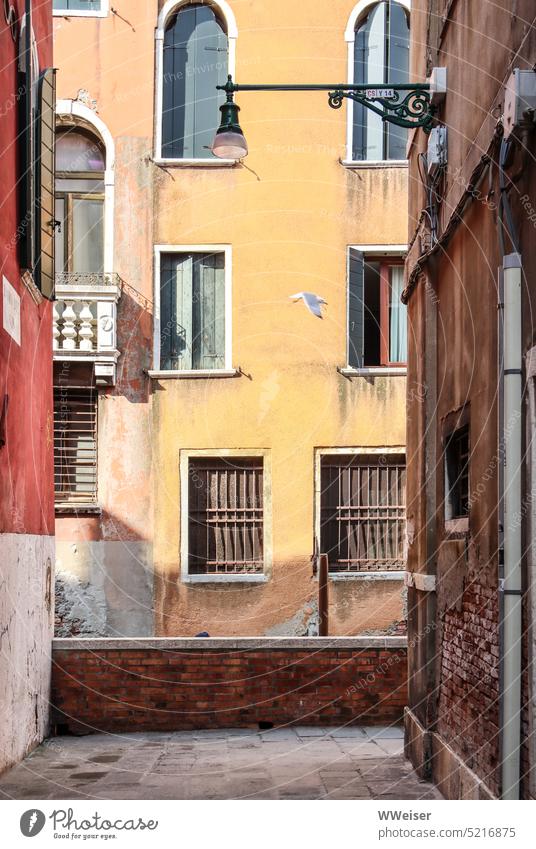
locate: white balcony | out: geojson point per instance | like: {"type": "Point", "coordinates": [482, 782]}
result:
{"type": "Point", "coordinates": [85, 320]}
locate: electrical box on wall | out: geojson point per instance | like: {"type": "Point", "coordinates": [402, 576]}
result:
{"type": "Point", "coordinates": [437, 150]}
{"type": "Point", "coordinates": [519, 97]}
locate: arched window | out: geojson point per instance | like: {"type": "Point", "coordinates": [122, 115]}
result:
{"type": "Point", "coordinates": [80, 167]}
{"type": "Point", "coordinates": [195, 61]}
{"type": "Point", "coordinates": [381, 55]}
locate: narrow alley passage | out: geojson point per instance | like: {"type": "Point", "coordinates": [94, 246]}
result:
{"type": "Point", "coordinates": [286, 763]}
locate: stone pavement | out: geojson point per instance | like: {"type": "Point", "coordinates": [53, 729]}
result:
{"type": "Point", "coordinates": [286, 763]}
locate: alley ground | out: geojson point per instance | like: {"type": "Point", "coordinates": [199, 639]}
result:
{"type": "Point", "coordinates": [287, 763]}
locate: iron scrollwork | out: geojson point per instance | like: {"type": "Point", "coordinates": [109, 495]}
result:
{"type": "Point", "coordinates": [406, 108]}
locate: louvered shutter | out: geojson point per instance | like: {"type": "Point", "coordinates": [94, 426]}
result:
{"type": "Point", "coordinates": [209, 342]}
{"type": "Point", "coordinates": [356, 311]}
{"type": "Point", "coordinates": [44, 169]}
{"type": "Point", "coordinates": [184, 307]}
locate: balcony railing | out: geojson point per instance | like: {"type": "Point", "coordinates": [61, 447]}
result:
{"type": "Point", "coordinates": [85, 316]}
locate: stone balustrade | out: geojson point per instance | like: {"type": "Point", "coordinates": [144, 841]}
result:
{"type": "Point", "coordinates": [85, 319]}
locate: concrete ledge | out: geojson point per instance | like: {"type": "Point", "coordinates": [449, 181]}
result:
{"type": "Point", "coordinates": [434, 760]}
{"type": "Point", "coordinates": [226, 643]}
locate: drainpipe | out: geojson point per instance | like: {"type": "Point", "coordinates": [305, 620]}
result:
{"type": "Point", "coordinates": [510, 587]}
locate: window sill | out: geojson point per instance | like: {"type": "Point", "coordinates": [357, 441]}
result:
{"type": "Point", "coordinates": [78, 13]}
{"type": "Point", "coordinates": [258, 578]}
{"type": "Point", "coordinates": [373, 371]}
{"type": "Point", "coordinates": [195, 163]}
{"type": "Point", "coordinates": [358, 164]}
{"type": "Point", "coordinates": [186, 374]}
{"type": "Point", "coordinates": [380, 575]}
{"type": "Point", "coordinates": [77, 509]}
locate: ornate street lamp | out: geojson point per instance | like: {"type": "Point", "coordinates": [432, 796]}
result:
{"type": "Point", "coordinates": [405, 104]}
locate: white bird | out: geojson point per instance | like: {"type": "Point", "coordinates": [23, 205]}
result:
{"type": "Point", "coordinates": [312, 302]}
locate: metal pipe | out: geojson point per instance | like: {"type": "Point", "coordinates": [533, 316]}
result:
{"type": "Point", "coordinates": [323, 596]}
{"type": "Point", "coordinates": [510, 581]}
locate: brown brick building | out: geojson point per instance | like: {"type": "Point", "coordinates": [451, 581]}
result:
{"type": "Point", "coordinates": [470, 291]}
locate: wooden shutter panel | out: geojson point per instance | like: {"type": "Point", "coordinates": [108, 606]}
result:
{"type": "Point", "coordinates": [26, 192]}
{"type": "Point", "coordinates": [209, 344]}
{"type": "Point", "coordinates": [184, 288]}
{"type": "Point", "coordinates": [44, 169]}
{"type": "Point", "coordinates": [356, 308]}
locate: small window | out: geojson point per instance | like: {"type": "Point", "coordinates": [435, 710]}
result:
{"type": "Point", "coordinates": [79, 211]}
{"type": "Point", "coordinates": [192, 311]}
{"type": "Point", "coordinates": [362, 512]}
{"type": "Point", "coordinates": [377, 318]}
{"type": "Point", "coordinates": [78, 5]}
{"type": "Point", "coordinates": [75, 444]}
{"type": "Point", "coordinates": [381, 56]}
{"type": "Point", "coordinates": [195, 62]}
{"type": "Point", "coordinates": [457, 474]}
{"type": "Point", "coordinates": [225, 516]}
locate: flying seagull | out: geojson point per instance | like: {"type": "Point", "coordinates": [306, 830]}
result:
{"type": "Point", "coordinates": [312, 302]}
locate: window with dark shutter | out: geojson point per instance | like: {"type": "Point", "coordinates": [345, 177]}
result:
{"type": "Point", "coordinates": [44, 170]}
{"type": "Point", "coordinates": [363, 508]}
{"type": "Point", "coordinates": [381, 55]}
{"type": "Point", "coordinates": [457, 474]}
{"type": "Point", "coordinates": [195, 62]}
{"type": "Point", "coordinates": [377, 318]}
{"type": "Point", "coordinates": [192, 311]}
{"type": "Point", "coordinates": [75, 444]}
{"type": "Point", "coordinates": [225, 516]}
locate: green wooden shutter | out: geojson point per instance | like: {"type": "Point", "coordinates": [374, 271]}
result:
{"type": "Point", "coordinates": [26, 148]}
{"type": "Point", "coordinates": [184, 308]}
{"type": "Point", "coordinates": [44, 169]}
{"type": "Point", "coordinates": [209, 319]}
{"type": "Point", "coordinates": [356, 311]}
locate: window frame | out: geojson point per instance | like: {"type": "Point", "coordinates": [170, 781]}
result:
{"type": "Point", "coordinates": [169, 8]}
{"type": "Point", "coordinates": [320, 453]}
{"type": "Point", "coordinates": [80, 13]}
{"type": "Point", "coordinates": [68, 196]}
{"type": "Point", "coordinates": [227, 370]}
{"type": "Point", "coordinates": [185, 456]}
{"type": "Point", "coordinates": [357, 13]}
{"type": "Point", "coordinates": [92, 394]}
{"type": "Point", "coordinates": [386, 255]}
{"type": "Point", "coordinates": [71, 114]}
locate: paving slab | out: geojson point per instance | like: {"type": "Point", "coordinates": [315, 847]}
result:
{"type": "Point", "coordinates": [303, 762]}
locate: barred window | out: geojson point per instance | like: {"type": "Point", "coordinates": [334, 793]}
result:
{"type": "Point", "coordinates": [226, 516]}
{"type": "Point", "coordinates": [75, 444]}
{"type": "Point", "coordinates": [363, 510]}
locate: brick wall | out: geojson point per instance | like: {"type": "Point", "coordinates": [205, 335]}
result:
{"type": "Point", "coordinates": [172, 684]}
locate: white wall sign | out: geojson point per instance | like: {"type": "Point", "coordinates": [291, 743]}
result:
{"type": "Point", "coordinates": [11, 316]}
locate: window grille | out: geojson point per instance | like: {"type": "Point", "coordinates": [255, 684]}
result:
{"type": "Point", "coordinates": [226, 521]}
{"type": "Point", "coordinates": [75, 444]}
{"type": "Point", "coordinates": [363, 511]}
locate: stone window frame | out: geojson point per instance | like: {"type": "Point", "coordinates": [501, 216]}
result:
{"type": "Point", "coordinates": [354, 450]}
{"type": "Point", "coordinates": [187, 454]}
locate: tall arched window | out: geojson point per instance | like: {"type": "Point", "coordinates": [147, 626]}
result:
{"type": "Point", "coordinates": [80, 167]}
{"type": "Point", "coordinates": [381, 55]}
{"type": "Point", "coordinates": [195, 61]}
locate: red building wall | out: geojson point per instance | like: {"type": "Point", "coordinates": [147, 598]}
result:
{"type": "Point", "coordinates": [26, 438]}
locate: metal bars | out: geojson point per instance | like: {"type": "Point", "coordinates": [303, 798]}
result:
{"type": "Point", "coordinates": [363, 512]}
{"type": "Point", "coordinates": [226, 516]}
{"type": "Point", "coordinates": [75, 444]}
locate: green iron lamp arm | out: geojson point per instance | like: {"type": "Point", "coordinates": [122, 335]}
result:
{"type": "Point", "coordinates": [405, 104]}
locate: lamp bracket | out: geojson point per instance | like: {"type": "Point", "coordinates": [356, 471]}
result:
{"type": "Point", "coordinates": [406, 105]}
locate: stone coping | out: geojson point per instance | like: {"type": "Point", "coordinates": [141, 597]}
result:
{"type": "Point", "coordinates": [230, 643]}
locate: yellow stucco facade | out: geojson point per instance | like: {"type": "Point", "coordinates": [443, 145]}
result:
{"type": "Point", "coordinates": [289, 213]}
